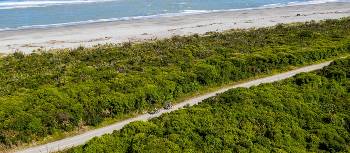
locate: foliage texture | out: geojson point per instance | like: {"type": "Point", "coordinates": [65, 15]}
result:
{"type": "Point", "coordinates": [307, 113]}
{"type": "Point", "coordinates": [46, 93]}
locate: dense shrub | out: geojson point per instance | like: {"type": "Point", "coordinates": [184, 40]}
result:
{"type": "Point", "coordinates": [52, 92]}
{"type": "Point", "coordinates": [307, 113]}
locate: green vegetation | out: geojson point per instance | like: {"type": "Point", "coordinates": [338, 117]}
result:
{"type": "Point", "coordinates": [46, 93]}
{"type": "Point", "coordinates": [307, 113]}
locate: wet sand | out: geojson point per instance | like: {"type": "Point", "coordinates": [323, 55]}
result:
{"type": "Point", "coordinates": [144, 29]}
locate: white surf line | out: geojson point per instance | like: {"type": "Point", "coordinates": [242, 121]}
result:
{"type": "Point", "coordinates": [83, 138]}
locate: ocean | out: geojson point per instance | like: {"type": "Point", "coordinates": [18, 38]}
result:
{"type": "Point", "coordinates": [23, 14]}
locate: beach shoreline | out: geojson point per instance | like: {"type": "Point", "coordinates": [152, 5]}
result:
{"type": "Point", "coordinates": [135, 30]}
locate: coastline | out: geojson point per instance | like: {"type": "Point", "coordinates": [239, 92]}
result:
{"type": "Point", "coordinates": [135, 30]}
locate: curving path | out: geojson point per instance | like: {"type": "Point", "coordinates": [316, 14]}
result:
{"type": "Point", "coordinates": [83, 138]}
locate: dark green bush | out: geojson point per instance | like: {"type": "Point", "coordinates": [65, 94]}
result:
{"type": "Point", "coordinates": [52, 92]}
{"type": "Point", "coordinates": [307, 113]}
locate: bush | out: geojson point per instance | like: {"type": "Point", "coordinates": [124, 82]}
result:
{"type": "Point", "coordinates": [293, 115]}
{"type": "Point", "coordinates": [66, 89]}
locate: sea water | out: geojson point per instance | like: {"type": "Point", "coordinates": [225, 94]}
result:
{"type": "Point", "coordinates": [22, 14]}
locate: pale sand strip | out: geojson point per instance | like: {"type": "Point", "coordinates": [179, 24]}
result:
{"type": "Point", "coordinates": [138, 30]}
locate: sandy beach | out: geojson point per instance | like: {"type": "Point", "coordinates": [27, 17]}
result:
{"type": "Point", "coordinates": [163, 27]}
